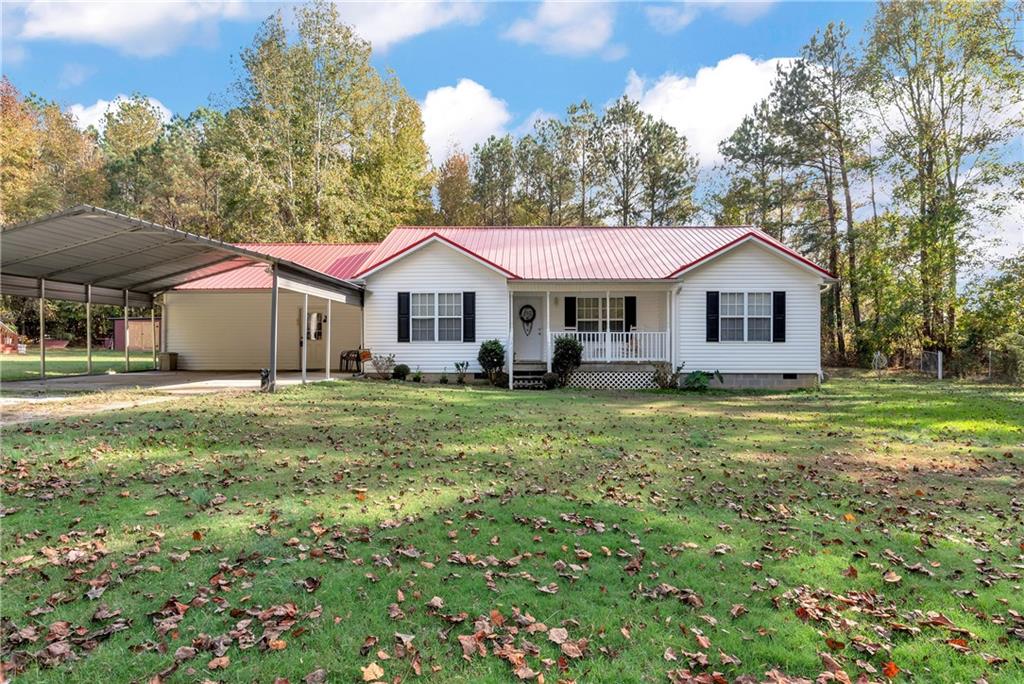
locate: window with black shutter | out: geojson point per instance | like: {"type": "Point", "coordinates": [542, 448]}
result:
{"type": "Point", "coordinates": [630, 308]}
{"type": "Point", "coordinates": [570, 313]}
{"type": "Point", "coordinates": [711, 313]}
{"type": "Point", "coordinates": [403, 316]}
{"type": "Point", "coordinates": [469, 316]}
{"type": "Point", "coordinates": [778, 316]}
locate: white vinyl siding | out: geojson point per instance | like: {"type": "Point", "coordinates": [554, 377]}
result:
{"type": "Point", "coordinates": [438, 269]}
{"type": "Point", "coordinates": [229, 330]}
{"type": "Point", "coordinates": [748, 269]}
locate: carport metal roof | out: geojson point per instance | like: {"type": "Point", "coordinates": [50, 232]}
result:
{"type": "Point", "coordinates": [86, 246]}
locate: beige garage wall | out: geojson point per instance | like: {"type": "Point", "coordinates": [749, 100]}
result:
{"type": "Point", "coordinates": [230, 330]}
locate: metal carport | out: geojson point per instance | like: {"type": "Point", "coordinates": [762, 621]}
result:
{"type": "Point", "coordinates": [92, 255]}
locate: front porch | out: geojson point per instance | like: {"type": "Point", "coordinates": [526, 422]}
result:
{"type": "Point", "coordinates": [622, 330]}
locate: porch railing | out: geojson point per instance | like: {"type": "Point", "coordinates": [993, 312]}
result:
{"type": "Point", "coordinates": [617, 346]}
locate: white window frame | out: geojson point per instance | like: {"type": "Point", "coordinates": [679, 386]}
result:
{"type": "Point", "coordinates": [436, 317]}
{"type": "Point", "coordinates": [603, 318]}
{"type": "Point", "coordinates": [746, 316]}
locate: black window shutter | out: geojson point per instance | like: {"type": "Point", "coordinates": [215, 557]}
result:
{"type": "Point", "coordinates": [778, 316]}
{"type": "Point", "coordinates": [630, 313]}
{"type": "Point", "coordinates": [712, 317]}
{"type": "Point", "coordinates": [570, 312]}
{"type": "Point", "coordinates": [469, 316]}
{"type": "Point", "coordinates": [403, 316]}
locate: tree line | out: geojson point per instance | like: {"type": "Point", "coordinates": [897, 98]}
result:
{"type": "Point", "coordinates": [882, 160]}
{"type": "Point", "coordinates": [619, 166]}
{"type": "Point", "coordinates": [886, 160]}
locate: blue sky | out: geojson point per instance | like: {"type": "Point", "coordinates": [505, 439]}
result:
{"type": "Point", "coordinates": [484, 67]}
{"type": "Point", "coordinates": [477, 68]}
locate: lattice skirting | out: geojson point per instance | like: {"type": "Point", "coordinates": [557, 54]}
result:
{"type": "Point", "coordinates": [613, 380]}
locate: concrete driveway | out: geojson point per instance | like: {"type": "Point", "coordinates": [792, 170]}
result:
{"type": "Point", "coordinates": [28, 401]}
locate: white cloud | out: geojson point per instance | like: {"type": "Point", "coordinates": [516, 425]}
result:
{"type": "Point", "coordinates": [569, 28]}
{"type": "Point", "coordinates": [92, 115]}
{"type": "Point", "coordinates": [707, 107]}
{"type": "Point", "coordinates": [673, 18]}
{"type": "Point", "coordinates": [141, 29]}
{"type": "Point", "coordinates": [527, 124]}
{"type": "Point", "coordinates": [387, 23]}
{"type": "Point", "coordinates": [74, 75]}
{"type": "Point", "coordinates": [463, 114]}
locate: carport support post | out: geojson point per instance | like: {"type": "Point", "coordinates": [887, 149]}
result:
{"type": "Point", "coordinates": [88, 329]}
{"type": "Point", "coordinates": [152, 330]}
{"type": "Point", "coordinates": [327, 346]}
{"type": "Point", "coordinates": [304, 333]}
{"type": "Point", "coordinates": [272, 385]}
{"type": "Point", "coordinates": [127, 354]}
{"type": "Point", "coordinates": [42, 329]}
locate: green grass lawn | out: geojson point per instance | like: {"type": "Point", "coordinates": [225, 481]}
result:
{"type": "Point", "coordinates": [588, 537]}
{"type": "Point", "coordinates": [68, 362]}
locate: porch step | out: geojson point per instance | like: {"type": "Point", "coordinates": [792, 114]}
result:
{"type": "Point", "coordinates": [528, 382]}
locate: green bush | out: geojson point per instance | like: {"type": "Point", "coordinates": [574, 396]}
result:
{"type": "Point", "coordinates": [567, 357]}
{"type": "Point", "coordinates": [551, 380]}
{"type": "Point", "coordinates": [699, 381]}
{"type": "Point", "coordinates": [1008, 360]}
{"type": "Point", "coordinates": [400, 372]}
{"type": "Point", "coordinates": [492, 359]}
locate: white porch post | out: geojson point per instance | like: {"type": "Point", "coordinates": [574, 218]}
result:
{"type": "Point", "coordinates": [668, 326]}
{"type": "Point", "coordinates": [272, 384]}
{"type": "Point", "coordinates": [304, 333]}
{"type": "Point", "coordinates": [88, 329]}
{"type": "Point", "coordinates": [608, 326]}
{"type": "Point", "coordinates": [42, 329]}
{"type": "Point", "coordinates": [511, 340]}
{"type": "Point", "coordinates": [127, 341]}
{"type": "Point", "coordinates": [674, 313]}
{"type": "Point", "coordinates": [548, 346]}
{"type": "Point", "coordinates": [327, 346]}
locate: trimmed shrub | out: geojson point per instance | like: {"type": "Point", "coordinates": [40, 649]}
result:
{"type": "Point", "coordinates": [492, 359]}
{"type": "Point", "coordinates": [699, 381]}
{"type": "Point", "coordinates": [551, 380]}
{"type": "Point", "coordinates": [567, 357]}
{"type": "Point", "coordinates": [400, 372]}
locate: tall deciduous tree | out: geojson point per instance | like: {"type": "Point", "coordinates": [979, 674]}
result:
{"type": "Point", "coordinates": [320, 146]}
{"type": "Point", "coordinates": [947, 82]}
{"type": "Point", "coordinates": [455, 191]}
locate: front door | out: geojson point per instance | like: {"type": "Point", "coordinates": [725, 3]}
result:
{"type": "Point", "coordinates": [528, 327]}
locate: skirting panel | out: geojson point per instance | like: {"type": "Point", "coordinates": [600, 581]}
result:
{"type": "Point", "coordinates": [614, 380]}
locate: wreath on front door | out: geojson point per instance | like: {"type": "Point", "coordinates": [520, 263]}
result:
{"type": "Point", "coordinates": [527, 314]}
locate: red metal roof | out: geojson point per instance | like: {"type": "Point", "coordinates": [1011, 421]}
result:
{"type": "Point", "coordinates": [339, 261]}
{"type": "Point", "coordinates": [571, 253]}
{"type": "Point", "coordinates": [581, 253]}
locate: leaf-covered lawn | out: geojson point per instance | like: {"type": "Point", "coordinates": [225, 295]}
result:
{"type": "Point", "coordinates": [363, 531]}
{"type": "Point", "coordinates": [73, 361]}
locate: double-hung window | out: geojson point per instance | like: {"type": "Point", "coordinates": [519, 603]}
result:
{"type": "Point", "coordinates": [759, 317]}
{"type": "Point", "coordinates": [436, 316]}
{"type": "Point", "coordinates": [449, 317]}
{"type": "Point", "coordinates": [423, 314]}
{"type": "Point", "coordinates": [596, 314]}
{"type": "Point", "coordinates": [745, 317]}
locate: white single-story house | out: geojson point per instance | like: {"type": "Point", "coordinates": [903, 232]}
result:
{"type": "Point", "coordinates": [730, 299]}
